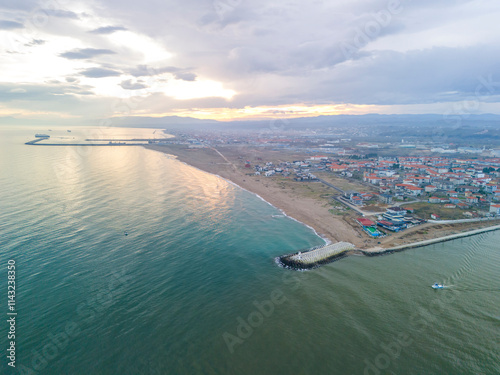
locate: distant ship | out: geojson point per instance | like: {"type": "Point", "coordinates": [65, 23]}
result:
{"type": "Point", "coordinates": [69, 131]}
{"type": "Point", "coordinates": [42, 136]}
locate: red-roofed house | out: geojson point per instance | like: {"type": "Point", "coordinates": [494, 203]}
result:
{"type": "Point", "coordinates": [365, 222]}
{"type": "Point", "coordinates": [337, 168]}
{"type": "Point", "coordinates": [413, 190]}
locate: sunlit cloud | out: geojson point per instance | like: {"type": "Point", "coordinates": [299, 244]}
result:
{"type": "Point", "coordinates": [254, 60]}
{"type": "Point", "coordinates": [269, 112]}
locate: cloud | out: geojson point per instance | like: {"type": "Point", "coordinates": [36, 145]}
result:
{"type": "Point", "coordinates": [10, 25]}
{"type": "Point", "coordinates": [49, 93]}
{"type": "Point", "coordinates": [148, 71]}
{"type": "Point", "coordinates": [107, 30]}
{"type": "Point", "coordinates": [269, 53]}
{"type": "Point", "coordinates": [145, 70]}
{"type": "Point", "coordinates": [99, 73]}
{"type": "Point", "coordinates": [129, 85]}
{"type": "Point", "coordinates": [61, 13]}
{"type": "Point", "coordinates": [35, 42]}
{"type": "Point", "coordinates": [185, 76]}
{"type": "Point", "coordinates": [86, 53]}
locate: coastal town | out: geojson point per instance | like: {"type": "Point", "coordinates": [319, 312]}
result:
{"type": "Point", "coordinates": [373, 194]}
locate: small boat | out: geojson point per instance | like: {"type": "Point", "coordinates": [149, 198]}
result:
{"type": "Point", "coordinates": [125, 233]}
{"type": "Point", "coordinates": [437, 286]}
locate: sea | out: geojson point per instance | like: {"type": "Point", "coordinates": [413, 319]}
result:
{"type": "Point", "coordinates": [128, 261]}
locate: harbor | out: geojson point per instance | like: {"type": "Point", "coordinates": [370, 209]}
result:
{"type": "Point", "coordinates": [321, 255]}
{"type": "Point", "coordinates": [38, 142]}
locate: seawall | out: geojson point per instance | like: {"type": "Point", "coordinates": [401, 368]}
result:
{"type": "Point", "coordinates": [375, 252]}
{"type": "Point", "coordinates": [316, 256]}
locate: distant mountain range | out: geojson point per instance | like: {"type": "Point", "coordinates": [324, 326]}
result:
{"type": "Point", "coordinates": [442, 121]}
{"type": "Point", "coordinates": [175, 122]}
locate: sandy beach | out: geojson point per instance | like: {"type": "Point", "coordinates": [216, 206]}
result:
{"type": "Point", "coordinates": [308, 210]}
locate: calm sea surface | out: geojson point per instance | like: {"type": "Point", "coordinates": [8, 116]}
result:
{"type": "Point", "coordinates": [193, 287]}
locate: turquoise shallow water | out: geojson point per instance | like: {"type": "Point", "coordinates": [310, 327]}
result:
{"type": "Point", "coordinates": [193, 288]}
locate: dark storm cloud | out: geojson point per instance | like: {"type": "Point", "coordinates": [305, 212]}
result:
{"type": "Point", "coordinates": [85, 53]}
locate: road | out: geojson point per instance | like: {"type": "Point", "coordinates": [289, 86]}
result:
{"type": "Point", "coordinates": [331, 185]}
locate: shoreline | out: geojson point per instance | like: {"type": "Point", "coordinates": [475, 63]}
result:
{"type": "Point", "coordinates": [314, 215]}
{"type": "Point", "coordinates": [304, 211]}
{"type": "Point", "coordinates": [325, 239]}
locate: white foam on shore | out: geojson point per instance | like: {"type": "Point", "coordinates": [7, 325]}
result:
{"type": "Point", "coordinates": [327, 241]}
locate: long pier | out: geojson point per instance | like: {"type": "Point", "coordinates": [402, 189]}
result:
{"type": "Point", "coordinates": [126, 140]}
{"type": "Point", "coordinates": [35, 142]}
{"type": "Point", "coordinates": [316, 256]}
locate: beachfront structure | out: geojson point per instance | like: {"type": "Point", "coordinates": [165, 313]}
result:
{"type": "Point", "coordinates": [393, 227]}
{"type": "Point", "coordinates": [395, 214]}
{"type": "Point", "coordinates": [369, 227]}
{"type": "Point", "coordinates": [365, 222]}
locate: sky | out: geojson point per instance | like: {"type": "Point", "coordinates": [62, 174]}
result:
{"type": "Point", "coordinates": [239, 59]}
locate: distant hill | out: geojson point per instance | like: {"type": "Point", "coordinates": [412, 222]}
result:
{"type": "Point", "coordinates": [392, 121]}
{"type": "Point", "coordinates": [386, 123]}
